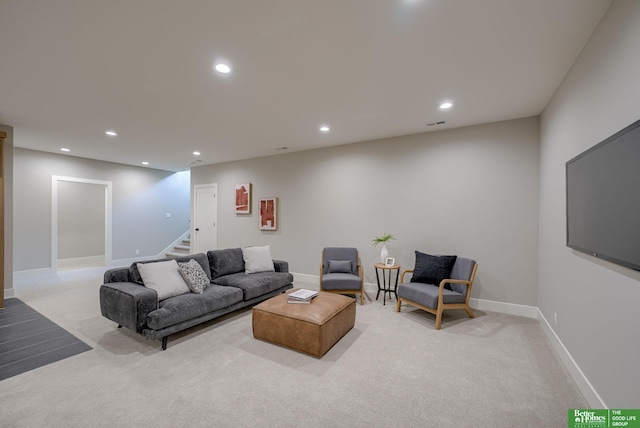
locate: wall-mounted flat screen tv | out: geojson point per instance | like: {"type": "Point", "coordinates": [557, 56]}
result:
{"type": "Point", "coordinates": [603, 199]}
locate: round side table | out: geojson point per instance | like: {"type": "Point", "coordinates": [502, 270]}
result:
{"type": "Point", "coordinates": [386, 284]}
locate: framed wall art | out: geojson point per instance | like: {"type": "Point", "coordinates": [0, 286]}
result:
{"type": "Point", "coordinates": [243, 198]}
{"type": "Point", "coordinates": [268, 214]}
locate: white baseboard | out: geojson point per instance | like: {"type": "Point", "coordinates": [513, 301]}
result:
{"type": "Point", "coordinates": [504, 308]}
{"type": "Point", "coordinates": [306, 278]}
{"type": "Point", "coordinates": [82, 262]}
{"type": "Point", "coordinates": [18, 274]}
{"type": "Point", "coordinates": [9, 293]}
{"type": "Point", "coordinates": [128, 262]}
{"type": "Point", "coordinates": [585, 387]}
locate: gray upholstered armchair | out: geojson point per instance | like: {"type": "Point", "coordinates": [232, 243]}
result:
{"type": "Point", "coordinates": [438, 283]}
{"type": "Point", "coordinates": [341, 271]}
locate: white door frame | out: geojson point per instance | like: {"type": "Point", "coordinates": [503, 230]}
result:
{"type": "Point", "coordinates": [194, 219]}
{"type": "Point", "coordinates": [55, 179]}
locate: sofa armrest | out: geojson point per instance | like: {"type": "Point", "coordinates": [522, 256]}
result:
{"type": "Point", "coordinates": [281, 266]}
{"type": "Point", "coordinates": [116, 275]}
{"type": "Point", "coordinates": [127, 304]}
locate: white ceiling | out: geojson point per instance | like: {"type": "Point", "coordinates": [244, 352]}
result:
{"type": "Point", "coordinates": [72, 69]}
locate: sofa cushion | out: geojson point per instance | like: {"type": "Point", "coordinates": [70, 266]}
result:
{"type": "Point", "coordinates": [432, 269]}
{"type": "Point", "coordinates": [340, 266]}
{"type": "Point", "coordinates": [257, 259]}
{"type": "Point", "coordinates": [427, 294]}
{"type": "Point", "coordinates": [188, 306]}
{"type": "Point", "coordinates": [256, 284]}
{"type": "Point", "coordinates": [225, 262]}
{"type": "Point", "coordinates": [164, 278]}
{"type": "Point", "coordinates": [341, 281]}
{"type": "Point", "coordinates": [196, 279]}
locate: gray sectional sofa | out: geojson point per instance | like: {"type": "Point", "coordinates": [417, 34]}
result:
{"type": "Point", "coordinates": [125, 299]}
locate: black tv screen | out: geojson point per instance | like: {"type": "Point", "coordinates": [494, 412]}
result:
{"type": "Point", "coordinates": [603, 199]}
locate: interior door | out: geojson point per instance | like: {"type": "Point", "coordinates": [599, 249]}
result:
{"type": "Point", "coordinates": [205, 224]}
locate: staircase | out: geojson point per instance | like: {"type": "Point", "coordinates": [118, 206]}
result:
{"type": "Point", "coordinates": [182, 249]}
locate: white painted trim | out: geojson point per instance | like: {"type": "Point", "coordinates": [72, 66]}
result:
{"type": "Point", "coordinates": [128, 262]}
{"type": "Point", "coordinates": [9, 293]}
{"type": "Point", "coordinates": [81, 262]}
{"type": "Point", "coordinates": [578, 376]}
{"type": "Point", "coordinates": [504, 308]}
{"type": "Point", "coordinates": [306, 278]}
{"type": "Point", "coordinates": [28, 272]}
{"type": "Point", "coordinates": [54, 215]}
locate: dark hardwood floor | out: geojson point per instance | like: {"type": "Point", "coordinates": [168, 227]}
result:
{"type": "Point", "coordinates": [29, 340]}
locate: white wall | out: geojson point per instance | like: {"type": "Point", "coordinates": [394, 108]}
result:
{"type": "Point", "coordinates": [596, 301]}
{"type": "Point", "coordinates": [141, 199]}
{"type": "Point", "coordinates": [470, 191]}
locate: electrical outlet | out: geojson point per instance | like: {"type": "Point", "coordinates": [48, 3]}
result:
{"type": "Point", "coordinates": [137, 252]}
{"type": "Point", "coordinates": [555, 318]}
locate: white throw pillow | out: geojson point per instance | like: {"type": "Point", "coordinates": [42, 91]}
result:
{"type": "Point", "coordinates": [164, 277]}
{"type": "Point", "coordinates": [257, 259]}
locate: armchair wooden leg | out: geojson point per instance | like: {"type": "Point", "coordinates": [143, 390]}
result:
{"type": "Point", "coordinates": [469, 312]}
{"type": "Point", "coordinates": [398, 305]}
{"type": "Point", "coordinates": [438, 318]}
{"type": "Point", "coordinates": [362, 297]}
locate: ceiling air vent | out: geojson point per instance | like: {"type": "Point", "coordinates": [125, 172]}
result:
{"type": "Point", "coordinates": [436, 123]}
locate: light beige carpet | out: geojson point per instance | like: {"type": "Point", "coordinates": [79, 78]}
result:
{"type": "Point", "coordinates": [391, 370]}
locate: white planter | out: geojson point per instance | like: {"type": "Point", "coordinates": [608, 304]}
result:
{"type": "Point", "coordinates": [384, 253]}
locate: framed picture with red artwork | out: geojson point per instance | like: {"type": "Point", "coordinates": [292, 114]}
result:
{"type": "Point", "coordinates": [243, 198]}
{"type": "Point", "coordinates": [268, 214]}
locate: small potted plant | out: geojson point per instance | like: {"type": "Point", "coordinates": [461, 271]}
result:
{"type": "Point", "coordinates": [383, 239]}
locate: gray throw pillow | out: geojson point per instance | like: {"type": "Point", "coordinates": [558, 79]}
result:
{"type": "Point", "coordinates": [195, 277]}
{"type": "Point", "coordinates": [339, 266]}
{"type": "Point", "coordinates": [432, 269]}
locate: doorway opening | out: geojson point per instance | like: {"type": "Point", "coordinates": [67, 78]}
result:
{"type": "Point", "coordinates": [80, 223]}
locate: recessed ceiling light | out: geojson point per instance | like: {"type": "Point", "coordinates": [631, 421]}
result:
{"type": "Point", "coordinates": [145, 163]}
{"type": "Point", "coordinates": [325, 128]}
{"type": "Point", "coordinates": [446, 105]}
{"type": "Point", "coordinates": [196, 153]}
{"type": "Point", "coordinates": [64, 149]}
{"type": "Point", "coordinates": [223, 68]}
{"type": "Point", "coordinates": [111, 133]}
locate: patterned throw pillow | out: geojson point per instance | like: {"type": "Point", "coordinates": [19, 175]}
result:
{"type": "Point", "coordinates": [194, 276]}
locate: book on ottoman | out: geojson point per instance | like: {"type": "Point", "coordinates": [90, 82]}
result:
{"type": "Point", "coordinates": [301, 296]}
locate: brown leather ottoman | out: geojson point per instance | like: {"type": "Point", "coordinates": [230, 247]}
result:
{"type": "Point", "coordinates": [312, 329]}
